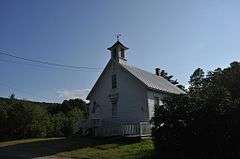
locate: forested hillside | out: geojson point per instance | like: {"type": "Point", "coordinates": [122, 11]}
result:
{"type": "Point", "coordinates": [24, 119]}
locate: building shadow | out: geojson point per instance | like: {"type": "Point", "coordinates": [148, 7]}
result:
{"type": "Point", "coordinates": [54, 146]}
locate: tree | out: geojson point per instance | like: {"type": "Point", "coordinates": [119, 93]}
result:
{"type": "Point", "coordinates": [3, 120]}
{"type": "Point", "coordinates": [197, 77]}
{"type": "Point", "coordinates": [39, 122]}
{"type": "Point", "coordinates": [165, 75]}
{"type": "Point", "coordinates": [72, 124]}
{"type": "Point", "coordinates": [208, 117]}
{"type": "Point", "coordinates": [24, 119]}
{"type": "Point", "coordinates": [56, 125]}
{"type": "Point", "coordinates": [69, 105]}
{"type": "Point", "coordinates": [231, 80]}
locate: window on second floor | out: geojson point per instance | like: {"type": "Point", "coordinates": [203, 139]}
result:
{"type": "Point", "coordinates": [94, 107]}
{"type": "Point", "coordinates": [114, 81]}
{"type": "Point", "coordinates": [156, 101]}
{"type": "Point", "coordinates": [122, 54]}
{"type": "Point", "coordinates": [114, 109]}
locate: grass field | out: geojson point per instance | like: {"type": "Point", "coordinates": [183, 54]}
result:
{"type": "Point", "coordinates": [79, 148]}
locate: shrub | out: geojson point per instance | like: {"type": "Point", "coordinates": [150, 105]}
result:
{"type": "Point", "coordinates": [186, 127]}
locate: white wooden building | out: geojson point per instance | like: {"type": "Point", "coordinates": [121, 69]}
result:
{"type": "Point", "coordinates": [123, 98]}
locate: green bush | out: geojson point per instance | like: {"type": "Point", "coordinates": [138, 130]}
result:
{"type": "Point", "coordinates": [189, 129]}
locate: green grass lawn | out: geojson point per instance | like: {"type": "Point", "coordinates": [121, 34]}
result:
{"type": "Point", "coordinates": [123, 148]}
{"type": "Point", "coordinates": [80, 147]}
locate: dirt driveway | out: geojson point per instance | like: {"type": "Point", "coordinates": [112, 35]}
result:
{"type": "Point", "coordinates": [33, 148]}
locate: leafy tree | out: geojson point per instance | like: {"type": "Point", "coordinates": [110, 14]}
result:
{"type": "Point", "coordinates": [69, 105]}
{"type": "Point", "coordinates": [182, 87]}
{"type": "Point", "coordinates": [197, 77]}
{"type": "Point", "coordinates": [196, 82]}
{"type": "Point", "coordinates": [230, 79]}
{"type": "Point", "coordinates": [56, 125]}
{"type": "Point", "coordinates": [20, 120]}
{"type": "Point", "coordinates": [71, 125]}
{"type": "Point", "coordinates": [24, 119]}
{"type": "Point", "coordinates": [206, 122]}
{"type": "Point", "coordinates": [165, 75]}
{"type": "Point", "coordinates": [3, 120]}
{"type": "Point", "coordinates": [40, 122]}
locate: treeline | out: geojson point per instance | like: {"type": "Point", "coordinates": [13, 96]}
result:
{"type": "Point", "coordinates": [204, 123]}
{"type": "Point", "coordinates": [25, 119]}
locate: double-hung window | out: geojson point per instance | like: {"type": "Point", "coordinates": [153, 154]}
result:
{"type": "Point", "coordinates": [114, 109]}
{"type": "Point", "coordinates": [114, 81]}
{"type": "Point", "coordinates": [122, 54]}
{"type": "Point", "coordinates": [156, 101]}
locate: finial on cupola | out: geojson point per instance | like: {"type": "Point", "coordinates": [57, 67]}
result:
{"type": "Point", "coordinates": [118, 50]}
{"type": "Point", "coordinates": [118, 36]}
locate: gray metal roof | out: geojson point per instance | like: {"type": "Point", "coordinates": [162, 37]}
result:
{"type": "Point", "coordinates": [152, 81]}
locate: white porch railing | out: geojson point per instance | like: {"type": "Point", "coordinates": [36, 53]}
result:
{"type": "Point", "coordinates": [145, 129]}
{"type": "Point", "coordinates": [123, 129]}
{"type": "Point", "coordinates": [130, 129]}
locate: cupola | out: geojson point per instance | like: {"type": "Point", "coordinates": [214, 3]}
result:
{"type": "Point", "coordinates": [118, 52]}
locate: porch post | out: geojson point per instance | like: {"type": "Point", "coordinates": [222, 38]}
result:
{"type": "Point", "coordinates": [140, 129]}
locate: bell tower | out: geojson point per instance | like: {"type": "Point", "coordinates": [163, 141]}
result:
{"type": "Point", "coordinates": [118, 52]}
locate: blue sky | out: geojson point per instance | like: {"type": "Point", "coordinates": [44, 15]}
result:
{"type": "Point", "coordinates": [177, 36]}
